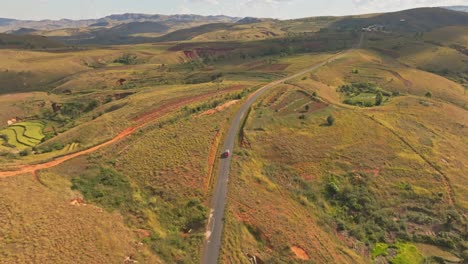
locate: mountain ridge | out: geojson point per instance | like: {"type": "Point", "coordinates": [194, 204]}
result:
{"type": "Point", "coordinates": [9, 24]}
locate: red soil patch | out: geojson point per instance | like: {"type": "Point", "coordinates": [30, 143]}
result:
{"type": "Point", "coordinates": [143, 233]}
{"type": "Point", "coordinates": [77, 202]}
{"type": "Point", "coordinates": [374, 172]}
{"type": "Point", "coordinates": [300, 253]}
{"type": "Point", "coordinates": [141, 121]}
{"type": "Point", "coordinates": [219, 108]}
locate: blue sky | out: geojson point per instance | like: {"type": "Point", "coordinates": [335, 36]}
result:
{"type": "Point", "coordinates": [284, 9]}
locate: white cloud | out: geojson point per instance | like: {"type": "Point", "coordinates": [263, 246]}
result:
{"type": "Point", "coordinates": [211, 2]}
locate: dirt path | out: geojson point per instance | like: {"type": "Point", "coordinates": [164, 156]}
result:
{"type": "Point", "coordinates": [219, 108]}
{"type": "Point", "coordinates": [141, 122]}
{"type": "Point", "coordinates": [406, 82]}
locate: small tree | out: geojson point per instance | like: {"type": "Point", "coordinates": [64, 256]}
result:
{"type": "Point", "coordinates": [307, 107]}
{"type": "Point", "coordinates": [330, 120]}
{"type": "Point", "coordinates": [428, 94]}
{"type": "Point", "coordinates": [378, 98]}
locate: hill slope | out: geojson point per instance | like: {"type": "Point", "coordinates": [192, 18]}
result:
{"type": "Point", "coordinates": [112, 20]}
{"type": "Point", "coordinates": [27, 42]}
{"type": "Point", "coordinates": [413, 20]}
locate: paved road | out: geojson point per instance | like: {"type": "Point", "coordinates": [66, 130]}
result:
{"type": "Point", "coordinates": [216, 220]}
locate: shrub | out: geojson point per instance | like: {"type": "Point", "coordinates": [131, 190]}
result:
{"type": "Point", "coordinates": [330, 120]}
{"type": "Point", "coordinates": [127, 59]}
{"type": "Point", "coordinates": [332, 189]}
{"type": "Point", "coordinates": [428, 95]}
{"type": "Point", "coordinates": [25, 152]}
{"type": "Point", "coordinates": [91, 105]}
{"type": "Point", "coordinates": [107, 188]}
{"type": "Point", "coordinates": [378, 98]}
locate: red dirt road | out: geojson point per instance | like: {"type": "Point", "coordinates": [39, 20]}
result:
{"type": "Point", "coordinates": [141, 121]}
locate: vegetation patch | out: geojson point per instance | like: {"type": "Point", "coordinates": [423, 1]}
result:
{"type": "Point", "coordinates": [364, 94]}
{"type": "Point", "coordinates": [107, 188]}
{"type": "Point", "coordinates": [23, 135]}
{"type": "Point", "coordinates": [380, 249]}
{"type": "Point", "coordinates": [406, 253]}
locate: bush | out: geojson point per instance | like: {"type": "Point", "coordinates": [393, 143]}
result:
{"type": "Point", "coordinates": [127, 59]}
{"type": "Point", "coordinates": [91, 105]}
{"type": "Point", "coordinates": [332, 189]}
{"type": "Point", "coordinates": [25, 152]}
{"type": "Point", "coordinates": [378, 98]}
{"type": "Point", "coordinates": [330, 120]}
{"type": "Point", "coordinates": [106, 188]}
{"type": "Point", "coordinates": [428, 95]}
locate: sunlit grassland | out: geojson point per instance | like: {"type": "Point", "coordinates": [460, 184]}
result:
{"type": "Point", "coordinates": [439, 51]}
{"type": "Point", "coordinates": [168, 183]}
{"type": "Point", "coordinates": [301, 62]}
{"type": "Point", "coordinates": [438, 130]}
{"type": "Point", "coordinates": [389, 75]}
{"type": "Point", "coordinates": [448, 35]}
{"type": "Point", "coordinates": [39, 224]}
{"type": "Point", "coordinates": [293, 161]}
{"type": "Point", "coordinates": [108, 120]}
{"type": "Point", "coordinates": [33, 70]}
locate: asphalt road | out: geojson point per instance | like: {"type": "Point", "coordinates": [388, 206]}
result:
{"type": "Point", "coordinates": [216, 220]}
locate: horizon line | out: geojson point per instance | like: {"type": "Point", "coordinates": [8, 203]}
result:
{"type": "Point", "coordinates": [187, 14]}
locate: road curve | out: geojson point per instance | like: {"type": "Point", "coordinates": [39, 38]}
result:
{"type": "Point", "coordinates": [214, 230]}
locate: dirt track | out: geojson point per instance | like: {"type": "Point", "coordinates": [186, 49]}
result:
{"type": "Point", "coordinates": [141, 122]}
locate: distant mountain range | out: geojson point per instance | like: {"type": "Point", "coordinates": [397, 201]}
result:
{"type": "Point", "coordinates": [143, 28]}
{"type": "Point", "coordinates": [7, 24]}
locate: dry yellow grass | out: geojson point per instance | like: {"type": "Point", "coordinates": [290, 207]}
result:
{"type": "Point", "coordinates": [39, 224]}
{"type": "Point", "coordinates": [390, 75]}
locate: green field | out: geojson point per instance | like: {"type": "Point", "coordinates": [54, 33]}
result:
{"type": "Point", "coordinates": [23, 135]}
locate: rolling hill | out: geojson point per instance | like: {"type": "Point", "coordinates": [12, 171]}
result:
{"type": "Point", "coordinates": [413, 20]}
{"type": "Point", "coordinates": [345, 146]}
{"type": "Point", "coordinates": [112, 20]}
{"type": "Point", "coordinates": [27, 42]}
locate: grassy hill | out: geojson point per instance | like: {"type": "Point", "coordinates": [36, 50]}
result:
{"type": "Point", "coordinates": [358, 161]}
{"type": "Point", "coordinates": [413, 20]}
{"type": "Point", "coordinates": [113, 20]}
{"type": "Point", "coordinates": [27, 42]}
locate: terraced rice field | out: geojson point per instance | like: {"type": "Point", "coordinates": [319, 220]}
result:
{"type": "Point", "coordinates": [23, 135]}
